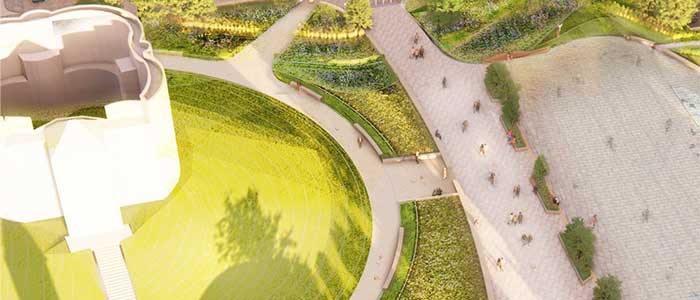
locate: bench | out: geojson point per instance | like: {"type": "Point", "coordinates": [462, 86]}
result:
{"type": "Point", "coordinates": [395, 263]}
{"type": "Point", "coordinates": [311, 93]}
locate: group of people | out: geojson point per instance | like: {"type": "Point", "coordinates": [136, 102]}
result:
{"type": "Point", "coordinates": [515, 219]}
{"type": "Point", "coordinates": [416, 52]}
{"type": "Point", "coordinates": [511, 137]}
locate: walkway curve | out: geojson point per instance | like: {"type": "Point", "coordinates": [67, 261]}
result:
{"type": "Point", "coordinates": [540, 271]}
{"type": "Point", "coordinates": [386, 184]}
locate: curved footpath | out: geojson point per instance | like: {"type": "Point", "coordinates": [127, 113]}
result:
{"type": "Point", "coordinates": [387, 184]}
{"type": "Point", "coordinates": [539, 271]}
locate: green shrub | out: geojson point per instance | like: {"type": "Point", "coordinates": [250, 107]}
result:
{"type": "Point", "coordinates": [579, 242]}
{"type": "Point", "coordinates": [541, 167]}
{"type": "Point", "coordinates": [511, 111]}
{"type": "Point", "coordinates": [498, 82]}
{"type": "Point", "coordinates": [607, 288]}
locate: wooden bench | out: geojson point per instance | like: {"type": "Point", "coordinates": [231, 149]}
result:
{"type": "Point", "coordinates": [395, 263]}
{"type": "Point", "coordinates": [311, 93]}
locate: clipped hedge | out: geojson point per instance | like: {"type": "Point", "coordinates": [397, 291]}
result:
{"type": "Point", "coordinates": [607, 288]}
{"type": "Point", "coordinates": [579, 243]}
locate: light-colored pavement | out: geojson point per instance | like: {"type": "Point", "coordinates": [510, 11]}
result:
{"type": "Point", "coordinates": [626, 92]}
{"type": "Point", "coordinates": [386, 184]}
{"type": "Point", "coordinates": [539, 271]}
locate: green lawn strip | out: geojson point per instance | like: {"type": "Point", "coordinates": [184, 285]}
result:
{"type": "Point", "coordinates": [692, 53]}
{"type": "Point", "coordinates": [346, 111]}
{"type": "Point", "coordinates": [408, 222]}
{"type": "Point", "coordinates": [295, 214]}
{"type": "Point", "coordinates": [91, 111]}
{"type": "Point", "coordinates": [593, 20]}
{"type": "Point", "coordinates": [353, 71]}
{"type": "Point", "coordinates": [446, 264]}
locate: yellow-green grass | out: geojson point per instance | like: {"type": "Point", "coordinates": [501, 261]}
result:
{"type": "Point", "coordinates": [593, 20]}
{"type": "Point", "coordinates": [268, 207]}
{"type": "Point", "coordinates": [692, 53]}
{"type": "Point", "coordinates": [446, 264]}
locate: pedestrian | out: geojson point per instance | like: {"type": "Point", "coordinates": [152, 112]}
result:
{"type": "Point", "coordinates": [444, 82]}
{"type": "Point", "coordinates": [359, 141]}
{"type": "Point", "coordinates": [416, 38]}
{"type": "Point", "coordinates": [417, 157]}
{"type": "Point", "coordinates": [492, 178]}
{"type": "Point", "coordinates": [519, 218]}
{"type": "Point", "coordinates": [516, 191]}
{"type": "Point", "coordinates": [482, 149]}
{"type": "Point", "coordinates": [438, 135]}
{"type": "Point", "coordinates": [465, 125]}
{"type": "Point", "coordinates": [511, 218]}
{"type": "Point", "coordinates": [476, 106]}
{"type": "Point", "coordinates": [421, 50]}
{"type": "Point", "coordinates": [509, 134]}
{"type": "Point", "coordinates": [594, 220]}
{"type": "Point", "coordinates": [500, 263]}
{"type": "Point", "coordinates": [556, 201]}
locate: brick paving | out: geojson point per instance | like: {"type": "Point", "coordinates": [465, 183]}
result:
{"type": "Point", "coordinates": [539, 271]}
{"type": "Point", "coordinates": [630, 93]}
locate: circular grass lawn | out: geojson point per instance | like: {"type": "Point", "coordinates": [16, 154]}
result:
{"type": "Point", "coordinates": [268, 205]}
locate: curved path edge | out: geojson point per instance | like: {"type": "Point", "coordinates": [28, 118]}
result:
{"type": "Point", "coordinates": [386, 184]}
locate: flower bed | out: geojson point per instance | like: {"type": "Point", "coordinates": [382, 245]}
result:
{"type": "Point", "coordinates": [354, 72]}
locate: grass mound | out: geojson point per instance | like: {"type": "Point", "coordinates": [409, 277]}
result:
{"type": "Point", "coordinates": [268, 207]}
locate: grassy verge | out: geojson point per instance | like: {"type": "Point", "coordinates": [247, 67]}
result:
{"type": "Point", "coordinates": [692, 53]}
{"type": "Point", "coordinates": [353, 71]}
{"type": "Point", "coordinates": [408, 222]}
{"type": "Point", "coordinates": [446, 265]}
{"type": "Point", "coordinates": [346, 111]}
{"type": "Point", "coordinates": [594, 20]}
{"type": "Point", "coordinates": [92, 111]}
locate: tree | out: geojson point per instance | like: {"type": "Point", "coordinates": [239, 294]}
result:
{"type": "Point", "coordinates": [358, 13]}
{"type": "Point", "coordinates": [541, 167]}
{"type": "Point", "coordinates": [155, 10]}
{"type": "Point", "coordinates": [511, 110]}
{"type": "Point", "coordinates": [607, 288]}
{"type": "Point", "coordinates": [499, 83]}
{"type": "Point", "coordinates": [672, 13]}
{"type": "Point", "coordinates": [580, 244]}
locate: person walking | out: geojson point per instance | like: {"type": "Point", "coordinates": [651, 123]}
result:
{"type": "Point", "coordinates": [516, 191]}
{"type": "Point", "coordinates": [476, 106]}
{"type": "Point", "coordinates": [519, 218]}
{"type": "Point", "coordinates": [594, 220]}
{"type": "Point", "coordinates": [438, 135]}
{"type": "Point", "coordinates": [359, 141]}
{"type": "Point", "coordinates": [444, 82]}
{"type": "Point", "coordinates": [492, 178]}
{"type": "Point", "coordinates": [500, 263]}
{"type": "Point", "coordinates": [465, 125]}
{"type": "Point", "coordinates": [482, 149]}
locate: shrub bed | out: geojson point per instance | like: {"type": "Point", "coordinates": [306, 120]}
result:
{"type": "Point", "coordinates": [409, 223]}
{"type": "Point", "coordinates": [579, 243]}
{"type": "Point", "coordinates": [607, 288]}
{"type": "Point", "coordinates": [353, 71]}
{"type": "Point", "coordinates": [539, 174]}
{"type": "Point", "coordinates": [446, 264]}
{"type": "Point", "coordinates": [501, 86]}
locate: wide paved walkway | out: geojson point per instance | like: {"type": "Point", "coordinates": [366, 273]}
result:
{"type": "Point", "coordinates": [386, 184]}
{"type": "Point", "coordinates": [639, 100]}
{"type": "Point", "coordinates": [539, 271]}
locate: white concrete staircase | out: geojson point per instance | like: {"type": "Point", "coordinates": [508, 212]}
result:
{"type": "Point", "coordinates": [115, 276]}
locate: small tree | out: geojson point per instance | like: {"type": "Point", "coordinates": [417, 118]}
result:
{"type": "Point", "coordinates": [499, 83]}
{"type": "Point", "coordinates": [359, 14]}
{"type": "Point", "coordinates": [541, 167]}
{"type": "Point", "coordinates": [580, 245]}
{"type": "Point", "coordinates": [607, 288]}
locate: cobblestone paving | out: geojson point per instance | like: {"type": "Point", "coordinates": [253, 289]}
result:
{"type": "Point", "coordinates": [538, 271]}
{"type": "Point", "coordinates": [620, 142]}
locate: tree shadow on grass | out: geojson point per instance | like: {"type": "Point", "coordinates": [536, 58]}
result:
{"type": "Point", "coordinates": [26, 263]}
{"type": "Point", "coordinates": [250, 242]}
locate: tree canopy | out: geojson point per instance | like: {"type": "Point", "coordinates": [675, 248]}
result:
{"type": "Point", "coordinates": [607, 288]}
{"type": "Point", "coordinates": [158, 9]}
{"type": "Point", "coordinates": [359, 14]}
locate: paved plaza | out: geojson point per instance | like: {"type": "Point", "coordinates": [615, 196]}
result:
{"type": "Point", "coordinates": [622, 145]}
{"type": "Point", "coordinates": [539, 271]}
